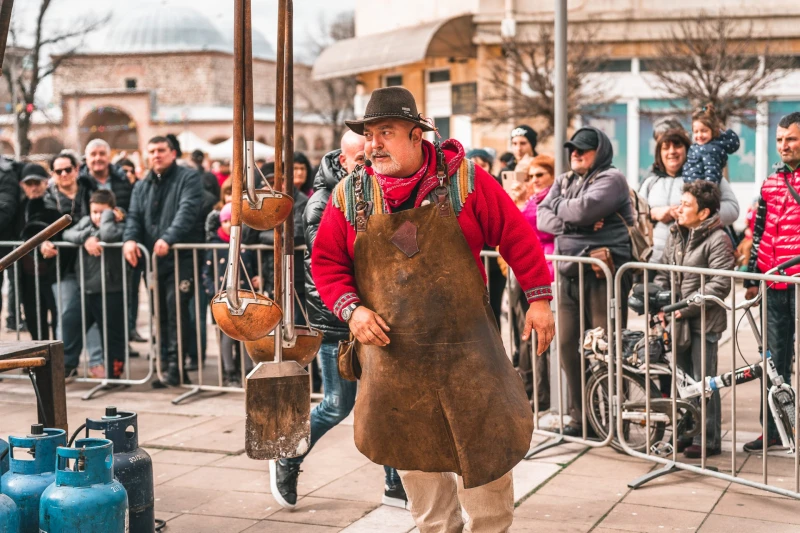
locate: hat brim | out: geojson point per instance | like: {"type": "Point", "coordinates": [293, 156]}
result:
{"type": "Point", "coordinates": [33, 177]}
{"type": "Point", "coordinates": [577, 145]}
{"type": "Point", "coordinates": [357, 126]}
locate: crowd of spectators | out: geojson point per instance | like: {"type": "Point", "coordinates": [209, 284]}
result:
{"type": "Point", "coordinates": [586, 212]}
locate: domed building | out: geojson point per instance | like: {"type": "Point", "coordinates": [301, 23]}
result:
{"type": "Point", "coordinates": [166, 70]}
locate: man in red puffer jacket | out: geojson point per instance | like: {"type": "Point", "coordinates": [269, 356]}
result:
{"type": "Point", "coordinates": [776, 238]}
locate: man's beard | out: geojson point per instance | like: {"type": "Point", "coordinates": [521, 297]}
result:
{"type": "Point", "coordinates": [386, 168]}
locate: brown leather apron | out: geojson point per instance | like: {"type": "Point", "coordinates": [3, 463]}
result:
{"type": "Point", "coordinates": [442, 396]}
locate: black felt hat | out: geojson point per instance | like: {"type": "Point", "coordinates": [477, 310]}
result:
{"type": "Point", "coordinates": [390, 102]}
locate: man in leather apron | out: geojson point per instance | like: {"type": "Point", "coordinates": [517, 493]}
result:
{"type": "Point", "coordinates": [397, 257]}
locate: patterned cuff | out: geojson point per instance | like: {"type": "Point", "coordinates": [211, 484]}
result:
{"type": "Point", "coordinates": [539, 293]}
{"type": "Point", "coordinates": [343, 301]}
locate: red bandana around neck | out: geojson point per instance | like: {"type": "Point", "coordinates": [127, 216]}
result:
{"type": "Point", "coordinates": [397, 190]}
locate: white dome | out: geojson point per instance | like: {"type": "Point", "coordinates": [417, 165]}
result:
{"type": "Point", "coordinates": [165, 28]}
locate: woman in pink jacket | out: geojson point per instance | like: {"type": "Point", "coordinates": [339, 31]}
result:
{"type": "Point", "coordinates": [541, 178]}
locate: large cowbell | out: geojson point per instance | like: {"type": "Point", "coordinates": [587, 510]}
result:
{"type": "Point", "coordinates": [28, 476]}
{"type": "Point", "coordinates": [85, 497]}
{"type": "Point", "coordinates": [132, 465]}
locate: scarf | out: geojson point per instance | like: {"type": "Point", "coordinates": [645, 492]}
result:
{"type": "Point", "coordinates": [397, 190]}
{"type": "Point", "coordinates": [222, 235]}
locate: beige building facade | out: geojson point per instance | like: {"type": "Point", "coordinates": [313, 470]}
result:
{"type": "Point", "coordinates": [628, 30]}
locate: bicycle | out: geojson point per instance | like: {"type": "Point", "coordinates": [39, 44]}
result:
{"type": "Point", "coordinates": [781, 395]}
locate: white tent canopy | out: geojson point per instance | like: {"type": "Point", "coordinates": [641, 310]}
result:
{"type": "Point", "coordinates": [224, 150]}
{"type": "Point", "coordinates": [190, 142]}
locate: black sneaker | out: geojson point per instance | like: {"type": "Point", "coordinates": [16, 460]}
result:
{"type": "Point", "coordinates": [135, 337]}
{"type": "Point", "coordinates": [283, 483]}
{"type": "Point", "coordinates": [395, 496]}
{"type": "Point", "coordinates": [757, 445]}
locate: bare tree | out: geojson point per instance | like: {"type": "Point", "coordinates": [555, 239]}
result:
{"type": "Point", "coordinates": [331, 99]}
{"type": "Point", "coordinates": [25, 70]}
{"type": "Point", "coordinates": [717, 60]}
{"type": "Point", "coordinates": [521, 81]}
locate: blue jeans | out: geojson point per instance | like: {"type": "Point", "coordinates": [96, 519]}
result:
{"type": "Point", "coordinates": [337, 402]}
{"type": "Point", "coordinates": [73, 324]}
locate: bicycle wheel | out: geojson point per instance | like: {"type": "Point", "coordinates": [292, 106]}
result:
{"type": "Point", "coordinates": [633, 390]}
{"type": "Point", "coordinates": [784, 413]}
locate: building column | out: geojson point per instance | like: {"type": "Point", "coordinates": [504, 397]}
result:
{"type": "Point", "coordinates": [762, 143]}
{"type": "Point", "coordinates": [633, 143]}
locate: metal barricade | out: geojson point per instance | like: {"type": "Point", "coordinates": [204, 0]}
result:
{"type": "Point", "coordinates": [106, 383]}
{"type": "Point", "coordinates": [201, 317]}
{"type": "Point", "coordinates": [679, 415]}
{"type": "Point", "coordinates": [604, 427]}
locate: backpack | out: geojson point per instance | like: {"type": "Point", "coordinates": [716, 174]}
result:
{"type": "Point", "coordinates": [641, 232]}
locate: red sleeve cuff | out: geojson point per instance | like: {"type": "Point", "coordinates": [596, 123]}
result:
{"type": "Point", "coordinates": [344, 300]}
{"type": "Point", "coordinates": [539, 293]}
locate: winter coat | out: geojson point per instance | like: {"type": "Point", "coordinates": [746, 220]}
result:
{"type": "Point", "coordinates": [213, 284]}
{"type": "Point", "coordinates": [575, 203]}
{"type": "Point", "coordinates": [110, 231]}
{"type": "Point", "coordinates": [10, 195]}
{"type": "Point", "coordinates": [661, 190]}
{"type": "Point", "coordinates": [706, 161]}
{"type": "Point", "coordinates": [329, 174]}
{"type": "Point", "coordinates": [32, 217]}
{"type": "Point", "coordinates": [776, 234]}
{"type": "Point", "coordinates": [168, 207]}
{"type": "Point", "coordinates": [120, 186]}
{"type": "Point", "coordinates": [77, 208]}
{"type": "Point", "coordinates": [708, 246]}
{"type": "Point", "coordinates": [547, 240]}
{"type": "Point", "coordinates": [268, 258]}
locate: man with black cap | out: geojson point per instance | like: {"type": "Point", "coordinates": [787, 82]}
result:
{"type": "Point", "coordinates": [523, 142]}
{"type": "Point", "coordinates": [587, 210]}
{"type": "Point", "coordinates": [36, 275]}
{"type": "Point", "coordinates": [397, 257]}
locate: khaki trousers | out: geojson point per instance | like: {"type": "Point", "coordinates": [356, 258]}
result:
{"type": "Point", "coordinates": [436, 501]}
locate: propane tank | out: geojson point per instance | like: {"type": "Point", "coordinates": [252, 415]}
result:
{"type": "Point", "coordinates": [9, 515]}
{"type": "Point", "coordinates": [28, 477]}
{"type": "Point", "coordinates": [85, 498]}
{"type": "Point", "coordinates": [3, 457]}
{"type": "Point", "coordinates": [132, 466]}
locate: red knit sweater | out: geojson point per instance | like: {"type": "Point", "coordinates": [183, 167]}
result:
{"type": "Point", "coordinates": [489, 217]}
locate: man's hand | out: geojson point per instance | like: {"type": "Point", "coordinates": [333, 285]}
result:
{"type": "Point", "coordinates": [48, 250]}
{"type": "Point", "coordinates": [599, 225]}
{"type": "Point", "coordinates": [92, 246]}
{"type": "Point", "coordinates": [131, 252]}
{"type": "Point", "coordinates": [662, 214]}
{"type": "Point", "coordinates": [119, 215]}
{"type": "Point", "coordinates": [540, 318]}
{"type": "Point", "coordinates": [751, 292]}
{"type": "Point", "coordinates": [161, 248]}
{"type": "Point", "coordinates": [368, 327]}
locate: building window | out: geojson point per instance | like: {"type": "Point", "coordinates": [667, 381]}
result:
{"type": "Point", "coordinates": [614, 65]}
{"type": "Point", "coordinates": [130, 83]}
{"type": "Point", "coordinates": [394, 80]}
{"type": "Point", "coordinates": [443, 125]}
{"type": "Point", "coordinates": [439, 76]}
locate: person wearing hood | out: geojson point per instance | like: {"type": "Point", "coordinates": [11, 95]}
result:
{"type": "Point", "coordinates": [698, 240]}
{"type": "Point", "coordinates": [99, 169]}
{"type": "Point", "coordinates": [397, 258]}
{"type": "Point", "coordinates": [588, 209]}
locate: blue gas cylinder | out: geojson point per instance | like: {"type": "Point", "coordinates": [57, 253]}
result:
{"type": "Point", "coordinates": [3, 457]}
{"type": "Point", "coordinates": [85, 497]}
{"type": "Point", "coordinates": [9, 515]}
{"type": "Point", "coordinates": [27, 477]}
{"type": "Point", "coordinates": [132, 466]}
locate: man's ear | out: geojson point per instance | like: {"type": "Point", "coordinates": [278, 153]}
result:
{"type": "Point", "coordinates": [342, 160]}
{"type": "Point", "coordinates": [415, 135]}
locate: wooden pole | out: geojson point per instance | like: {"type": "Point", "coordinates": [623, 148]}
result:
{"type": "Point", "coordinates": [6, 7]}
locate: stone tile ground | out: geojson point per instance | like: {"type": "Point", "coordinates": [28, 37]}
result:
{"type": "Point", "coordinates": [205, 483]}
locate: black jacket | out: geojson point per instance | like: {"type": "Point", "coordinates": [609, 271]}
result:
{"type": "Point", "coordinates": [110, 231]}
{"type": "Point", "coordinates": [329, 174]}
{"type": "Point", "coordinates": [120, 186]}
{"type": "Point", "coordinates": [32, 217]}
{"type": "Point", "coordinates": [169, 207]}
{"type": "Point", "coordinates": [10, 196]}
{"type": "Point", "coordinates": [268, 258]}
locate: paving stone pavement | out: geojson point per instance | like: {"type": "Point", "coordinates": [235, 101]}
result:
{"type": "Point", "coordinates": [205, 483]}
